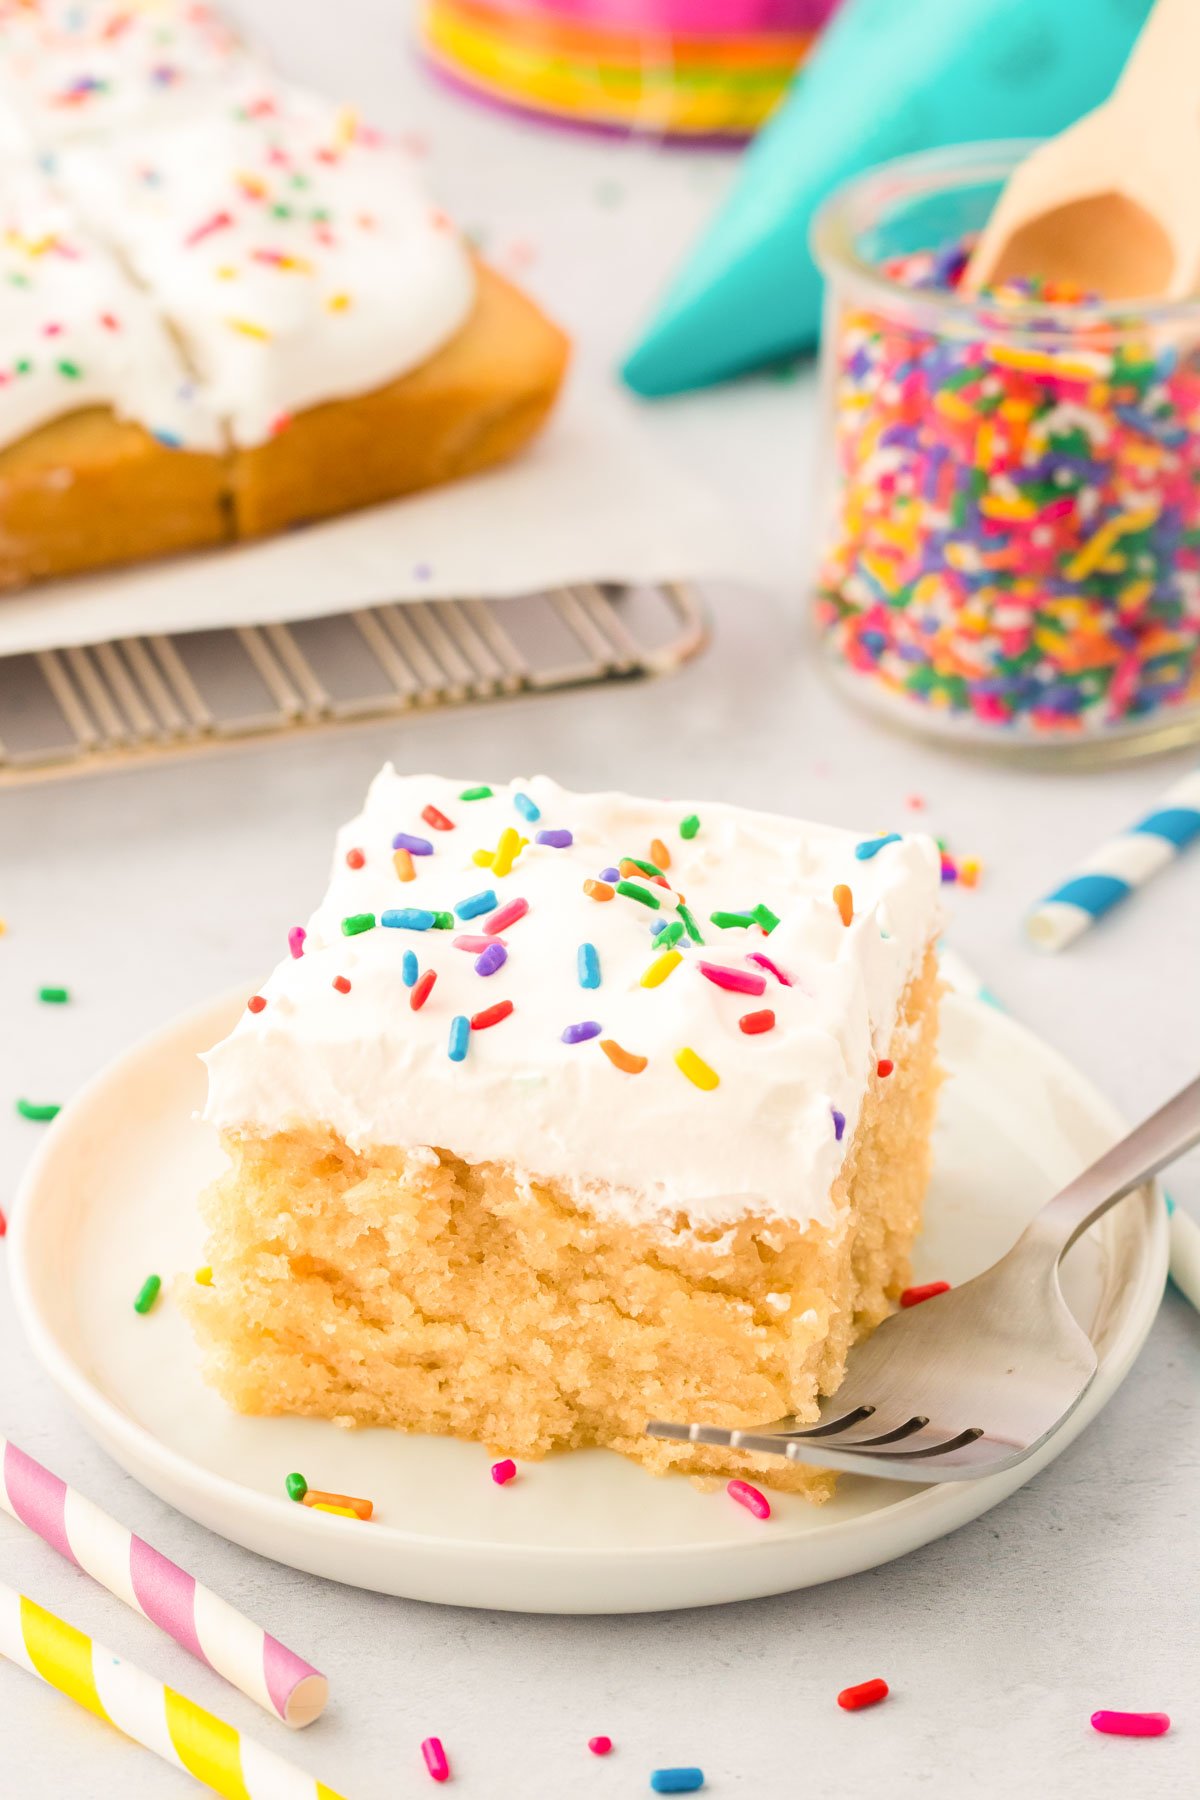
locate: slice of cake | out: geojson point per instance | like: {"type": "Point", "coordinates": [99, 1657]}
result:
{"type": "Point", "coordinates": [566, 1111]}
{"type": "Point", "coordinates": [107, 450]}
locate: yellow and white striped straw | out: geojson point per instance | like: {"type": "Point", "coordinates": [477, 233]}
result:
{"type": "Point", "coordinates": [154, 1715]}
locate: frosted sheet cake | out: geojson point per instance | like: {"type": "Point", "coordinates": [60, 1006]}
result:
{"type": "Point", "coordinates": [569, 1110]}
{"type": "Point", "coordinates": [281, 259]}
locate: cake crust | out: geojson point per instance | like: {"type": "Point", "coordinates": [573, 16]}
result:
{"type": "Point", "coordinates": [89, 491]}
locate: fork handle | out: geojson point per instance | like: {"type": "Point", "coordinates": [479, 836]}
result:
{"type": "Point", "coordinates": [1150, 1146]}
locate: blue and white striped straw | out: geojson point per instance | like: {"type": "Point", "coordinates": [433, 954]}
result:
{"type": "Point", "coordinates": [1114, 871]}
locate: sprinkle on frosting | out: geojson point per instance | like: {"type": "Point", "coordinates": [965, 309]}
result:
{"type": "Point", "coordinates": [697, 1070]}
{"type": "Point", "coordinates": [621, 1059]}
{"type": "Point", "coordinates": [872, 846]}
{"type": "Point", "coordinates": [660, 968]}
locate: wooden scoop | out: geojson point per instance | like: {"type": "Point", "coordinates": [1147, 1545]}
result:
{"type": "Point", "coordinates": [1114, 203]}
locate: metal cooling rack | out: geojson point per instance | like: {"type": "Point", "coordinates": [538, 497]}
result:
{"type": "Point", "coordinates": [100, 706]}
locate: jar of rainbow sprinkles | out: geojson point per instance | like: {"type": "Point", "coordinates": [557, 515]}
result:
{"type": "Point", "coordinates": [1009, 526]}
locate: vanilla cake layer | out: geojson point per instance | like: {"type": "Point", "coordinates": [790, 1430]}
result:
{"type": "Point", "coordinates": [556, 1191]}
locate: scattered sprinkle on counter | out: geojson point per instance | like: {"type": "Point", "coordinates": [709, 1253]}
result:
{"type": "Point", "coordinates": [677, 1781]}
{"type": "Point", "coordinates": [503, 1471]}
{"type": "Point", "coordinates": [600, 1746]}
{"type": "Point", "coordinates": [53, 996]}
{"type": "Point", "coordinates": [867, 1693]}
{"type": "Point", "coordinates": [435, 1759]}
{"type": "Point", "coordinates": [913, 1296]}
{"type": "Point", "coordinates": [40, 1111]}
{"type": "Point", "coordinates": [752, 1498]}
{"type": "Point", "coordinates": [147, 1294]}
{"type": "Point", "coordinates": [1131, 1724]}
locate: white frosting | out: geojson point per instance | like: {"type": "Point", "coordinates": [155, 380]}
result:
{"type": "Point", "coordinates": [294, 252]}
{"type": "Point", "coordinates": [642, 1145]}
{"type": "Point", "coordinates": [75, 331]}
{"type": "Point", "coordinates": [72, 68]}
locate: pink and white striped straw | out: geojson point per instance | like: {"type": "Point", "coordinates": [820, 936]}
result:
{"type": "Point", "coordinates": [264, 1669]}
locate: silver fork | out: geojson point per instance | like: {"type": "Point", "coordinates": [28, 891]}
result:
{"type": "Point", "coordinates": [972, 1381]}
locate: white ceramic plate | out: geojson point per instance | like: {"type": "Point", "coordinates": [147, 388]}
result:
{"type": "Point", "coordinates": [112, 1196]}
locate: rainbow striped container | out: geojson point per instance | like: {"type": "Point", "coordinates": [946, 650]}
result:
{"type": "Point", "coordinates": [689, 69]}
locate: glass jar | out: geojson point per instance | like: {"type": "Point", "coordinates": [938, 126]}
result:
{"type": "Point", "coordinates": [1009, 517]}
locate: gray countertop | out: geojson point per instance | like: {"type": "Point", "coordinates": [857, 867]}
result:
{"type": "Point", "coordinates": [145, 892]}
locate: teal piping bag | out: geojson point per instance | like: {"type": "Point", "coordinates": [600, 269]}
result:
{"type": "Point", "coordinates": [888, 77]}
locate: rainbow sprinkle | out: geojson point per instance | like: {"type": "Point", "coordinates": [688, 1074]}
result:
{"type": "Point", "coordinates": [579, 1034]}
{"type": "Point", "coordinates": [460, 1037]}
{"type": "Point", "coordinates": [147, 1294]}
{"type": "Point", "coordinates": [588, 966]}
{"type": "Point", "coordinates": [660, 968]}
{"type": "Point", "coordinates": [408, 918]}
{"type": "Point", "coordinates": [491, 959]}
{"type": "Point", "coordinates": [633, 890]}
{"type": "Point", "coordinates": [476, 904]}
{"type": "Point", "coordinates": [697, 1070]}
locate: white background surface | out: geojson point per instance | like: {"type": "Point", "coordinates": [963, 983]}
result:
{"type": "Point", "coordinates": [147, 892]}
